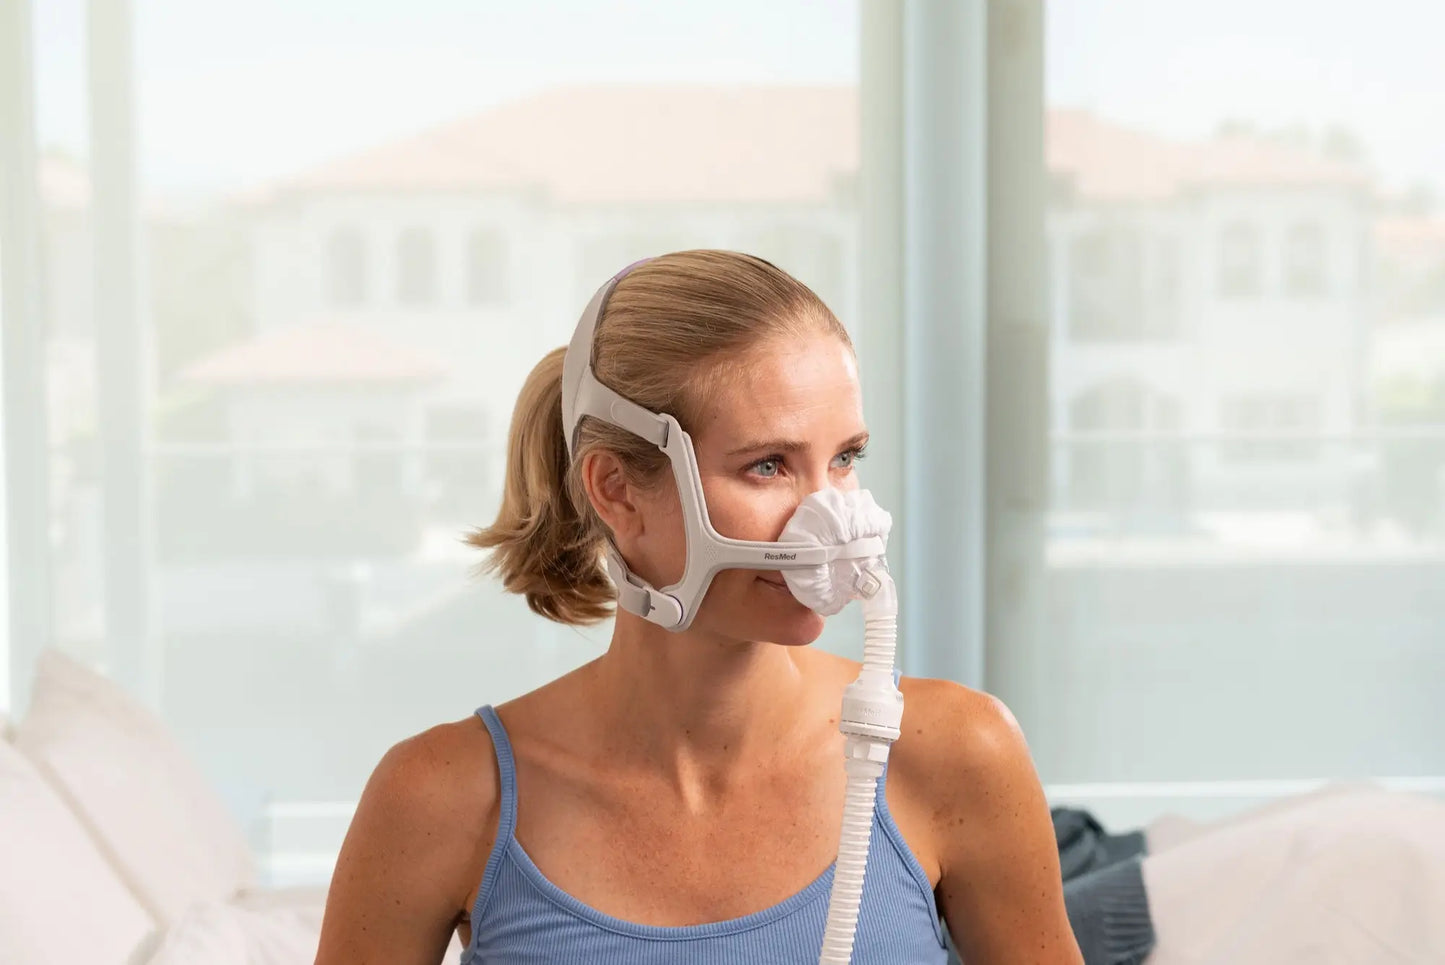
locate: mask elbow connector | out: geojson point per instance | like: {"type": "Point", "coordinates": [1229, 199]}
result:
{"type": "Point", "coordinates": [872, 704]}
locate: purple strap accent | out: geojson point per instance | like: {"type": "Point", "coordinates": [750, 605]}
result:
{"type": "Point", "coordinates": [619, 276]}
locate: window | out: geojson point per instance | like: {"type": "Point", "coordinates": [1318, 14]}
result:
{"type": "Point", "coordinates": [460, 464]}
{"type": "Point", "coordinates": [342, 598]}
{"type": "Point", "coordinates": [599, 257]}
{"type": "Point", "coordinates": [1280, 599]}
{"type": "Point", "coordinates": [416, 267]}
{"type": "Point", "coordinates": [1304, 261]}
{"type": "Point", "coordinates": [1143, 639]}
{"type": "Point", "coordinates": [1276, 418]}
{"type": "Point", "coordinates": [1106, 286]}
{"type": "Point", "coordinates": [1164, 305]}
{"type": "Point", "coordinates": [486, 268]}
{"type": "Point", "coordinates": [346, 268]}
{"type": "Point", "coordinates": [1124, 469]}
{"type": "Point", "coordinates": [809, 253]}
{"type": "Point", "coordinates": [1239, 261]}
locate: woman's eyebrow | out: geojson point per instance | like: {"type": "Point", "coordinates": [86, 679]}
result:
{"type": "Point", "coordinates": [775, 445]}
{"type": "Point", "coordinates": [793, 445]}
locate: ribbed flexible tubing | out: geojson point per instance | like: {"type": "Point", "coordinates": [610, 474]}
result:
{"type": "Point", "coordinates": [880, 635]}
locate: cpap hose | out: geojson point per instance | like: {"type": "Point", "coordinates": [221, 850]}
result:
{"type": "Point", "coordinates": [872, 704]}
{"type": "Point", "coordinates": [872, 711]}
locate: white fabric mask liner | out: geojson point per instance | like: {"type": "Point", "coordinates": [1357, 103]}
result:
{"type": "Point", "coordinates": [835, 517]}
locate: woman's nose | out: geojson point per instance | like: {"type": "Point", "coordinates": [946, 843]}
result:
{"type": "Point", "coordinates": [816, 479]}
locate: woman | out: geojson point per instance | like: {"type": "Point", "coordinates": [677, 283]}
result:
{"type": "Point", "coordinates": [679, 798]}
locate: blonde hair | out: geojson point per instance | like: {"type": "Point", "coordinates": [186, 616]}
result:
{"type": "Point", "coordinates": [673, 330]}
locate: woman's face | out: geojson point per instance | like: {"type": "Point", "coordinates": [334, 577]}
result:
{"type": "Point", "coordinates": [789, 423]}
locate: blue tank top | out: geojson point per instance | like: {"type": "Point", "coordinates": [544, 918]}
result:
{"type": "Point", "coordinates": [521, 918]}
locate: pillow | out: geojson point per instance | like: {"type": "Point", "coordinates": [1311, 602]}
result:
{"type": "Point", "coordinates": [60, 902]}
{"type": "Point", "coordinates": [1348, 877]}
{"type": "Point", "coordinates": [221, 933]}
{"type": "Point", "coordinates": [280, 928]}
{"type": "Point", "coordinates": [149, 807]}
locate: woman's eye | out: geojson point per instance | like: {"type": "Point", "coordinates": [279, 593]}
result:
{"type": "Point", "coordinates": [770, 467]}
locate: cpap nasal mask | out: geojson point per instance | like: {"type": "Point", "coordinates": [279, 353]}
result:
{"type": "Point", "coordinates": [831, 552]}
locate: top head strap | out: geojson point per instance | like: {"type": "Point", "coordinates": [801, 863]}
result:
{"type": "Point", "coordinates": [583, 395]}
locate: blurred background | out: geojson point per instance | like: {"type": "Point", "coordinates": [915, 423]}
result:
{"type": "Point", "coordinates": [1149, 299]}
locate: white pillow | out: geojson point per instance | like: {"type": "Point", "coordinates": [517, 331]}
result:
{"type": "Point", "coordinates": [149, 807]}
{"type": "Point", "coordinates": [1350, 877]}
{"type": "Point", "coordinates": [60, 902]}
{"type": "Point", "coordinates": [222, 933]}
{"type": "Point", "coordinates": [280, 927]}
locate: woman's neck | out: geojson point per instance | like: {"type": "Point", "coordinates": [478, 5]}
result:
{"type": "Point", "coordinates": [694, 707]}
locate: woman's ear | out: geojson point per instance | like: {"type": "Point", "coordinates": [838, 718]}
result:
{"type": "Point", "coordinates": [610, 494]}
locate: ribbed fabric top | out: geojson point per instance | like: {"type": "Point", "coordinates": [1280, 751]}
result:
{"type": "Point", "coordinates": [521, 918]}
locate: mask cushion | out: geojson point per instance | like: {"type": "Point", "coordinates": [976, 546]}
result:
{"type": "Point", "coordinates": [833, 517]}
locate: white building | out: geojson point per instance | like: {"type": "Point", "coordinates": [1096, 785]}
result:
{"type": "Point", "coordinates": [479, 242]}
{"type": "Point", "coordinates": [1202, 290]}
{"type": "Point", "coordinates": [398, 297]}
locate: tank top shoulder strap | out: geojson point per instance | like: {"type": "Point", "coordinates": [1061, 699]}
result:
{"type": "Point", "coordinates": [506, 821]}
{"type": "Point", "coordinates": [507, 776]}
{"type": "Point", "coordinates": [883, 818]}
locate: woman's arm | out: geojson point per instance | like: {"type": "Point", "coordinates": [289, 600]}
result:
{"type": "Point", "coordinates": [422, 831]}
{"type": "Point", "coordinates": [1000, 891]}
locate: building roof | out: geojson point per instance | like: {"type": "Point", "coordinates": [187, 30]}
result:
{"type": "Point", "coordinates": [639, 144]}
{"type": "Point", "coordinates": [315, 354]}
{"type": "Point", "coordinates": [600, 144]}
{"type": "Point", "coordinates": [1109, 162]}
{"type": "Point", "coordinates": [1409, 234]}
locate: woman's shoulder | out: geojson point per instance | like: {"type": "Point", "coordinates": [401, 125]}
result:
{"type": "Point", "coordinates": [958, 747]}
{"type": "Point", "coordinates": [951, 735]}
{"type": "Point", "coordinates": [437, 790]}
{"type": "Point", "coordinates": [951, 720]}
{"type": "Point", "coordinates": [964, 766]}
{"type": "Point", "coordinates": [423, 827]}
{"type": "Point", "coordinates": [444, 762]}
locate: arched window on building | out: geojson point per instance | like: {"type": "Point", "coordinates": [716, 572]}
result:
{"type": "Point", "coordinates": [346, 268]}
{"type": "Point", "coordinates": [1141, 467]}
{"type": "Point", "coordinates": [1304, 261]}
{"type": "Point", "coordinates": [1107, 286]}
{"type": "Point", "coordinates": [486, 268]}
{"type": "Point", "coordinates": [416, 267]}
{"type": "Point", "coordinates": [1240, 270]}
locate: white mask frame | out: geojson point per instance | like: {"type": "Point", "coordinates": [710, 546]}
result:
{"type": "Point", "coordinates": [673, 607]}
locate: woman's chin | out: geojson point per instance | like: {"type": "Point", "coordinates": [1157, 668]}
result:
{"type": "Point", "coordinates": [767, 611]}
{"type": "Point", "coordinates": [794, 636]}
{"type": "Point", "coordinates": [790, 623]}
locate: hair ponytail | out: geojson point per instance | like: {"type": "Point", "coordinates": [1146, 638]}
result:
{"type": "Point", "coordinates": [542, 546]}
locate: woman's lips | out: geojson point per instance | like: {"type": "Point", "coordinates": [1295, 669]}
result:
{"type": "Point", "coordinates": [779, 582]}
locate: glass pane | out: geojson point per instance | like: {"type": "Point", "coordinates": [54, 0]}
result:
{"type": "Point", "coordinates": [361, 229]}
{"type": "Point", "coordinates": [1246, 531]}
